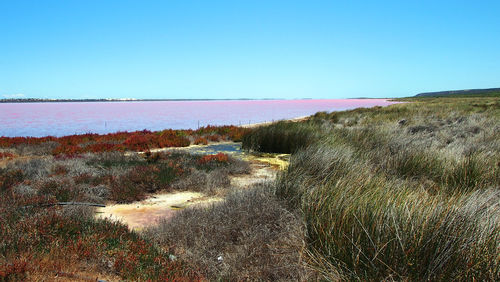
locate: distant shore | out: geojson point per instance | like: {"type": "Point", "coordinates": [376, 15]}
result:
{"type": "Point", "coordinates": [37, 100]}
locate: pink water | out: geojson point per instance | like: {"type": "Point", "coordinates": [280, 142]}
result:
{"type": "Point", "coordinates": [59, 119]}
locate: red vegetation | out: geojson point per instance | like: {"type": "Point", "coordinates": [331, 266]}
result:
{"type": "Point", "coordinates": [60, 241]}
{"type": "Point", "coordinates": [137, 142]}
{"type": "Point", "coordinates": [16, 270]}
{"type": "Point", "coordinates": [220, 158]}
{"type": "Point", "coordinates": [39, 240]}
{"type": "Point", "coordinates": [74, 145]}
{"type": "Point", "coordinates": [104, 147]}
{"type": "Point", "coordinates": [200, 141]}
{"type": "Point", "coordinates": [134, 185]}
{"type": "Point", "coordinates": [5, 155]}
{"type": "Point", "coordinates": [69, 150]}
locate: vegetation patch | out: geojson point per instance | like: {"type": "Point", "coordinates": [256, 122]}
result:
{"type": "Point", "coordinates": [405, 192]}
{"type": "Point", "coordinates": [39, 238]}
{"type": "Point", "coordinates": [247, 237]}
{"type": "Point", "coordinates": [74, 145]}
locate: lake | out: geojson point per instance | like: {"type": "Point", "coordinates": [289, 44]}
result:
{"type": "Point", "coordinates": [66, 118]}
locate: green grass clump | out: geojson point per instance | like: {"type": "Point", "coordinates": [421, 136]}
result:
{"type": "Point", "coordinates": [282, 137]}
{"type": "Point", "coordinates": [370, 227]}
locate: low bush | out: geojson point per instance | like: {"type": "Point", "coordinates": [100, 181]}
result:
{"type": "Point", "coordinates": [62, 189]}
{"type": "Point", "coordinates": [136, 183]}
{"type": "Point", "coordinates": [9, 178]}
{"type": "Point", "coordinates": [246, 237]}
{"type": "Point", "coordinates": [217, 158]}
{"type": "Point", "coordinates": [47, 240]}
{"type": "Point", "coordinates": [200, 141]}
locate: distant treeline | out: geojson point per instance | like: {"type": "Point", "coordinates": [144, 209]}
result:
{"type": "Point", "coordinates": [490, 92]}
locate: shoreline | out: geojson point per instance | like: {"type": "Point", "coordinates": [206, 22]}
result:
{"type": "Point", "coordinates": [257, 124]}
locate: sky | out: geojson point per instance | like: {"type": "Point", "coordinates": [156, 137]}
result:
{"type": "Point", "coordinates": [246, 49]}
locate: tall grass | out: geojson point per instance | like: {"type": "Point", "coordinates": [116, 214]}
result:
{"type": "Point", "coordinates": [406, 192]}
{"type": "Point", "coordinates": [282, 137]}
{"type": "Point", "coordinates": [371, 227]}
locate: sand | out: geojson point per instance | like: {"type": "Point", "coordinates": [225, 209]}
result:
{"type": "Point", "coordinates": [146, 213]}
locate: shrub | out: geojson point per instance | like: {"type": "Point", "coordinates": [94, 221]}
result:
{"type": "Point", "coordinates": [63, 190]}
{"type": "Point", "coordinates": [217, 158]}
{"type": "Point", "coordinates": [40, 241]}
{"type": "Point", "coordinates": [33, 168]}
{"type": "Point", "coordinates": [103, 147]}
{"type": "Point", "coordinates": [125, 191]}
{"type": "Point", "coordinates": [9, 178]}
{"type": "Point", "coordinates": [247, 237]}
{"type": "Point", "coordinates": [137, 182]}
{"type": "Point", "coordinates": [200, 141]}
{"type": "Point", "coordinates": [60, 170]}
{"type": "Point", "coordinates": [13, 271]}
{"type": "Point", "coordinates": [73, 145]}
{"type": "Point", "coordinates": [214, 138]}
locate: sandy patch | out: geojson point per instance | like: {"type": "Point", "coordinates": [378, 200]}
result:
{"type": "Point", "coordinates": [277, 161]}
{"type": "Point", "coordinates": [138, 215]}
{"type": "Point", "coordinates": [260, 172]}
{"type": "Point", "coordinates": [264, 167]}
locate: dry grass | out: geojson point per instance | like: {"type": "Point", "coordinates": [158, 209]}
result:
{"type": "Point", "coordinates": [247, 237]}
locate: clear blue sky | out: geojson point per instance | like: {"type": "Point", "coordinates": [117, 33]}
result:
{"type": "Point", "coordinates": [254, 49]}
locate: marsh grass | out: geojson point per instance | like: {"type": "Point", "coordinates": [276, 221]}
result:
{"type": "Point", "coordinates": [405, 192]}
